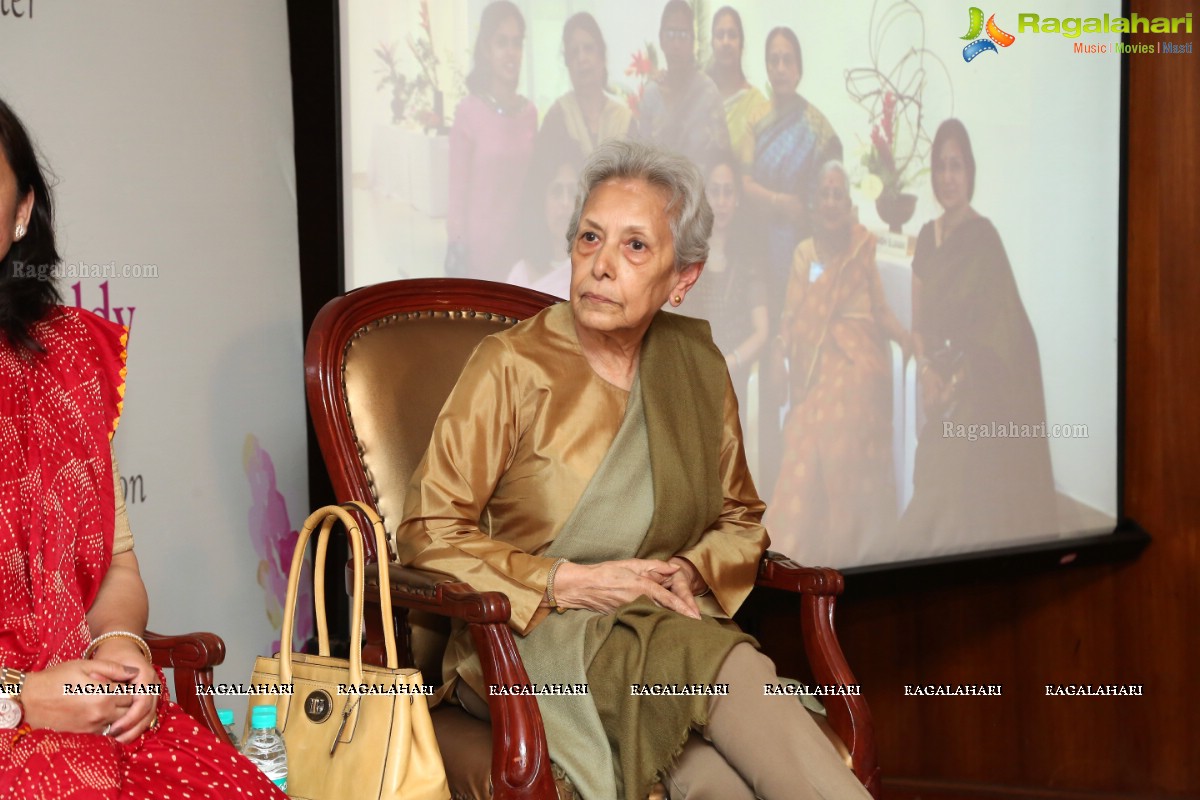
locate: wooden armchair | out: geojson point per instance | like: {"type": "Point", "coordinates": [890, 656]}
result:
{"type": "Point", "coordinates": [192, 656]}
{"type": "Point", "coordinates": [379, 363]}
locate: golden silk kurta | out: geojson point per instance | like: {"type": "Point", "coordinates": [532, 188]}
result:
{"type": "Point", "coordinates": [515, 446]}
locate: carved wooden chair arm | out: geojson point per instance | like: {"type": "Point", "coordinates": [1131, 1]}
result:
{"type": "Point", "coordinates": [777, 571]}
{"type": "Point", "coordinates": [192, 656]}
{"type": "Point", "coordinates": [520, 754]}
{"type": "Point", "coordinates": [437, 593]}
{"type": "Point", "coordinates": [848, 714]}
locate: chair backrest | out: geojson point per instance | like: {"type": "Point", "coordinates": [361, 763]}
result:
{"type": "Point", "coordinates": [379, 364]}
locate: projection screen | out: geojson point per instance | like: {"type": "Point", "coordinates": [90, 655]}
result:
{"type": "Point", "coordinates": [933, 372]}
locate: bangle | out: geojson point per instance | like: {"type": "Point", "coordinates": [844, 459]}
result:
{"type": "Point", "coordinates": [104, 637]}
{"type": "Point", "coordinates": [550, 583]}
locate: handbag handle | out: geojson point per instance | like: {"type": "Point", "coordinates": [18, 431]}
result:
{"type": "Point", "coordinates": [384, 580]}
{"type": "Point", "coordinates": [326, 517]}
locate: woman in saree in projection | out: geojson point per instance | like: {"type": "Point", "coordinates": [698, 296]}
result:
{"type": "Point", "coordinates": [589, 461]}
{"type": "Point", "coordinates": [792, 139]}
{"type": "Point", "coordinates": [586, 115]}
{"type": "Point", "coordinates": [978, 364]}
{"type": "Point", "coordinates": [836, 492]}
{"type": "Point", "coordinates": [744, 103]}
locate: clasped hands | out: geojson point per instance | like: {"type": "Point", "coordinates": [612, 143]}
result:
{"type": "Point", "coordinates": [122, 716]}
{"type": "Point", "coordinates": [607, 586]}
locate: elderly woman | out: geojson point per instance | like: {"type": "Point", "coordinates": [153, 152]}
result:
{"type": "Point", "coordinates": [490, 145]}
{"type": "Point", "coordinates": [978, 364]}
{"type": "Point", "coordinates": [743, 102]}
{"type": "Point", "coordinates": [586, 115]}
{"type": "Point", "coordinates": [836, 488]}
{"type": "Point", "coordinates": [791, 142]}
{"type": "Point", "coordinates": [73, 605]}
{"type": "Point", "coordinates": [589, 462]}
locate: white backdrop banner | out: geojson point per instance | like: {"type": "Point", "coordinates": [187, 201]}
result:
{"type": "Point", "coordinates": [168, 127]}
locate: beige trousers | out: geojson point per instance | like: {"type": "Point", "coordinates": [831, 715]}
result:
{"type": "Point", "coordinates": [757, 746]}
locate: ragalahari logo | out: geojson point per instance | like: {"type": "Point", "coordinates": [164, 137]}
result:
{"type": "Point", "coordinates": [995, 36]}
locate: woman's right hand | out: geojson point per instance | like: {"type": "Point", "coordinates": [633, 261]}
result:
{"type": "Point", "coordinates": [607, 586]}
{"type": "Point", "coordinates": [936, 394]}
{"type": "Point", "coordinates": [47, 704]}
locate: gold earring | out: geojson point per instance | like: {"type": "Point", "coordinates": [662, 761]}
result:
{"type": "Point", "coordinates": [676, 299]}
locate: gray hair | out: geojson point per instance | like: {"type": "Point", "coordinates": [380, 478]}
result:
{"type": "Point", "coordinates": [689, 214]}
{"type": "Point", "coordinates": [833, 166]}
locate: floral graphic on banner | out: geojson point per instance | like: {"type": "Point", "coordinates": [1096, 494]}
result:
{"type": "Point", "coordinates": [274, 541]}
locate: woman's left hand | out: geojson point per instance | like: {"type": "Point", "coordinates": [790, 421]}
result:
{"type": "Point", "coordinates": [607, 586]}
{"type": "Point", "coordinates": [686, 583]}
{"type": "Point", "coordinates": [141, 714]}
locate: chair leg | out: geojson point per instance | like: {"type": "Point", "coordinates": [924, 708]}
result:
{"type": "Point", "coordinates": [520, 754]}
{"type": "Point", "coordinates": [849, 715]}
{"type": "Point", "coordinates": [373, 649]}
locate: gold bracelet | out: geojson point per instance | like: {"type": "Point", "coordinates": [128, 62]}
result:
{"type": "Point", "coordinates": [104, 637]}
{"type": "Point", "coordinates": [11, 677]}
{"type": "Point", "coordinates": [550, 583]}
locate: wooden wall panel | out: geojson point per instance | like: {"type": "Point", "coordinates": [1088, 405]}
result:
{"type": "Point", "coordinates": [1136, 622]}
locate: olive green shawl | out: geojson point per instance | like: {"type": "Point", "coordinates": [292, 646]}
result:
{"type": "Point", "coordinates": [613, 743]}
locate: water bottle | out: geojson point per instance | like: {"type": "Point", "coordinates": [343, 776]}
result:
{"type": "Point", "coordinates": [264, 745]}
{"type": "Point", "coordinates": [226, 717]}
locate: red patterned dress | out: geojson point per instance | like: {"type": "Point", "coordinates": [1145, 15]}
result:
{"type": "Point", "coordinates": [58, 412]}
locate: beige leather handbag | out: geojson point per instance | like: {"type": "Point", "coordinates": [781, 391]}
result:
{"type": "Point", "coordinates": [352, 731]}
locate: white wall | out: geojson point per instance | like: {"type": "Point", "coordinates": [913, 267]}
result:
{"type": "Point", "coordinates": [169, 128]}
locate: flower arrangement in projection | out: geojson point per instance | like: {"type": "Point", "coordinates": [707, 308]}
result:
{"type": "Point", "coordinates": [274, 541]}
{"type": "Point", "coordinates": [402, 88]}
{"type": "Point", "coordinates": [880, 159]}
{"type": "Point", "coordinates": [643, 66]}
{"type": "Point", "coordinates": [420, 98]}
{"type": "Point", "coordinates": [891, 91]}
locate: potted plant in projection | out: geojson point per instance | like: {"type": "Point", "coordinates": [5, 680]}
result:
{"type": "Point", "coordinates": [886, 179]}
{"type": "Point", "coordinates": [890, 90]}
{"type": "Point", "coordinates": [412, 159]}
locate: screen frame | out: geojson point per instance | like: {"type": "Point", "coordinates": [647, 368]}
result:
{"type": "Point", "coordinates": [1126, 539]}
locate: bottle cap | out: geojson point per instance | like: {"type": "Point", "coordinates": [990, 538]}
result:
{"type": "Point", "coordinates": [262, 717]}
{"type": "Point", "coordinates": [225, 715]}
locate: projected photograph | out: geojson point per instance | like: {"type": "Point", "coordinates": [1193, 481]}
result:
{"type": "Point", "coordinates": [914, 262]}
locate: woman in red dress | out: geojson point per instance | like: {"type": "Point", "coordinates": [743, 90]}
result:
{"type": "Point", "coordinates": [72, 602]}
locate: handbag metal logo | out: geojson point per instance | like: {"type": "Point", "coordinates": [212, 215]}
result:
{"type": "Point", "coordinates": [318, 705]}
